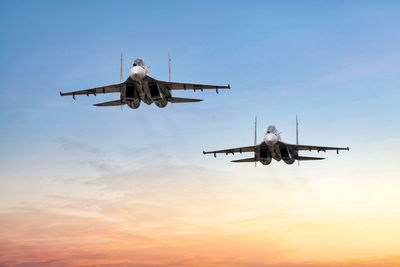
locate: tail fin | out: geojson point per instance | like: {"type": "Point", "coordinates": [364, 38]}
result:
{"type": "Point", "coordinates": [169, 66]}
{"type": "Point", "coordinates": [110, 103]}
{"type": "Point", "coordinates": [297, 131]}
{"type": "Point", "coordinates": [297, 137]}
{"type": "Point", "coordinates": [120, 75]}
{"type": "Point", "coordinates": [255, 140]}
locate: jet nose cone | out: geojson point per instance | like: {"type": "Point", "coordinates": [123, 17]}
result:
{"type": "Point", "coordinates": [270, 139]}
{"type": "Point", "coordinates": [137, 73]}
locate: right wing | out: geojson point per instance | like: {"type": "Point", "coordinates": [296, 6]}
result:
{"type": "Point", "coordinates": [232, 150]}
{"type": "Point", "coordinates": [318, 148]}
{"type": "Point", "coordinates": [193, 86]}
{"type": "Point", "coordinates": [114, 88]}
{"type": "Point", "coordinates": [309, 148]}
{"type": "Point", "coordinates": [187, 86]}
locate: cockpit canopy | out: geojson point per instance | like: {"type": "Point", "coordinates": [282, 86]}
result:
{"type": "Point", "coordinates": [139, 62]}
{"type": "Point", "coordinates": [271, 129]}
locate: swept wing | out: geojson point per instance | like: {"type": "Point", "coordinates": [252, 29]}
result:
{"type": "Point", "coordinates": [311, 148]}
{"type": "Point", "coordinates": [187, 86]}
{"type": "Point", "coordinates": [232, 150]}
{"type": "Point", "coordinates": [114, 88]}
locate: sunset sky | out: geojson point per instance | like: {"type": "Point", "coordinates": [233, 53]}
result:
{"type": "Point", "coordinates": [89, 186]}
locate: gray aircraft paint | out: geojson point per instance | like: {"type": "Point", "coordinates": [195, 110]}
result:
{"type": "Point", "coordinates": [141, 87]}
{"type": "Point", "coordinates": [272, 147]}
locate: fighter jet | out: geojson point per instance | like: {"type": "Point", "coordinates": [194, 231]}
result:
{"type": "Point", "coordinates": [272, 147]}
{"type": "Point", "coordinates": [140, 86]}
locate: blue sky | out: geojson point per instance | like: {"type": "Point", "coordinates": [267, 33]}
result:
{"type": "Point", "coordinates": [335, 64]}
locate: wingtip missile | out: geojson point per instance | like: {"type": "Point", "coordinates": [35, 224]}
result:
{"type": "Point", "coordinates": [63, 94]}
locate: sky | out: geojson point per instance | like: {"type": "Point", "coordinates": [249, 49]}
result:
{"type": "Point", "coordinates": [104, 186]}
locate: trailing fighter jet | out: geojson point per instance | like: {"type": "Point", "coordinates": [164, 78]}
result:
{"type": "Point", "coordinates": [140, 86]}
{"type": "Point", "coordinates": [272, 147]}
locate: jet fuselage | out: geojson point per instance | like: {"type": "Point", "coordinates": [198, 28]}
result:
{"type": "Point", "coordinates": [269, 148]}
{"type": "Point", "coordinates": [139, 89]}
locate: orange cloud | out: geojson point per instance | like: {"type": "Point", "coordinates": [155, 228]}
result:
{"type": "Point", "coordinates": [209, 253]}
{"type": "Point", "coordinates": [69, 232]}
{"type": "Point", "coordinates": [186, 219]}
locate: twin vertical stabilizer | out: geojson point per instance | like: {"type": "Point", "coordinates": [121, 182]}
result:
{"type": "Point", "coordinates": [169, 67]}
{"type": "Point", "coordinates": [297, 138]}
{"type": "Point", "coordinates": [120, 75]}
{"type": "Point", "coordinates": [297, 131]}
{"type": "Point", "coordinates": [255, 140]}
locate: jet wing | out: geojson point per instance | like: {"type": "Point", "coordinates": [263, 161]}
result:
{"type": "Point", "coordinates": [232, 150]}
{"type": "Point", "coordinates": [188, 86]}
{"type": "Point", "coordinates": [317, 148]}
{"type": "Point", "coordinates": [114, 88]}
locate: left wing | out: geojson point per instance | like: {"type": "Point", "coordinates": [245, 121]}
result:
{"type": "Point", "coordinates": [114, 88]}
{"type": "Point", "coordinates": [188, 86]}
{"type": "Point", "coordinates": [317, 148]}
{"type": "Point", "coordinates": [232, 150]}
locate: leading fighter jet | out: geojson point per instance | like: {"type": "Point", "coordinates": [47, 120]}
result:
{"type": "Point", "coordinates": [272, 147]}
{"type": "Point", "coordinates": [140, 86]}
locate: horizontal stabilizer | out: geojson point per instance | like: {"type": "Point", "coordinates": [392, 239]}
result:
{"type": "Point", "coordinates": [308, 158]}
{"type": "Point", "coordinates": [183, 100]}
{"type": "Point", "coordinates": [110, 103]}
{"type": "Point", "coordinates": [245, 160]}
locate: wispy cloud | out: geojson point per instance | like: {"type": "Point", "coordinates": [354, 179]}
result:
{"type": "Point", "coordinates": [170, 216]}
{"type": "Point", "coordinates": [71, 144]}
